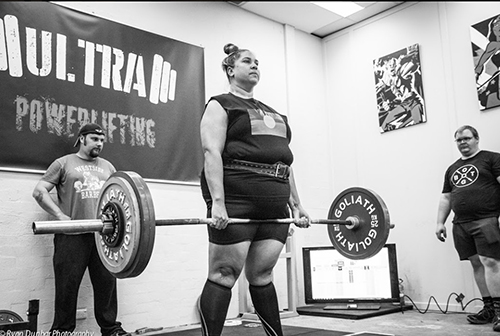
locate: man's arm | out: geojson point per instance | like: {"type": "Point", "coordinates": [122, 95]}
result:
{"type": "Point", "coordinates": [41, 194]}
{"type": "Point", "coordinates": [444, 210]}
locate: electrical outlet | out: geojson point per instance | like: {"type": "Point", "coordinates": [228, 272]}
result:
{"type": "Point", "coordinates": [81, 313]}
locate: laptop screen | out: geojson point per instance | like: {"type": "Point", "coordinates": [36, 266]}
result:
{"type": "Point", "coordinates": [331, 277]}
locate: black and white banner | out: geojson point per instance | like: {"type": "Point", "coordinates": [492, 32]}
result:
{"type": "Point", "coordinates": [60, 68]}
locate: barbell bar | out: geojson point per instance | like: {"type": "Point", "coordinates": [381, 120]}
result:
{"type": "Point", "coordinates": [99, 225]}
{"type": "Point", "coordinates": [358, 224]}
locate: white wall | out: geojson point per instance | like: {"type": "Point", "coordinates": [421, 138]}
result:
{"type": "Point", "coordinates": [406, 167]}
{"type": "Point", "coordinates": [327, 89]}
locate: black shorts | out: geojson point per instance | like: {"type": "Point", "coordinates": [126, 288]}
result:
{"type": "Point", "coordinates": [480, 237]}
{"type": "Point", "coordinates": [251, 196]}
{"type": "Point", "coordinates": [237, 233]}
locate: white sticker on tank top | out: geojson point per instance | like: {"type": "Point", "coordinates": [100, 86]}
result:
{"type": "Point", "coordinates": [266, 123]}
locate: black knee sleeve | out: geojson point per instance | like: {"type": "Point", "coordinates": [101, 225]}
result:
{"type": "Point", "coordinates": [213, 304]}
{"type": "Point", "coordinates": [266, 306]}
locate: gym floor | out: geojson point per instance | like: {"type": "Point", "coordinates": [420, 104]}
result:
{"type": "Point", "coordinates": [409, 323]}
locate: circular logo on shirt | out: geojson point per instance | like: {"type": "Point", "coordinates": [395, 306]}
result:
{"type": "Point", "coordinates": [465, 176]}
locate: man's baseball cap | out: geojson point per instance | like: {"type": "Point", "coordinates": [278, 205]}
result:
{"type": "Point", "coordinates": [88, 129]}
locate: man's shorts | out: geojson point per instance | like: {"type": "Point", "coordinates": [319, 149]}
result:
{"type": "Point", "coordinates": [480, 237]}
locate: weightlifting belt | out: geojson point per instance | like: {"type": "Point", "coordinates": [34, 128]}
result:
{"type": "Point", "coordinates": [279, 169]}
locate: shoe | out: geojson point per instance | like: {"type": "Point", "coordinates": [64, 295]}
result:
{"type": "Point", "coordinates": [496, 323]}
{"type": "Point", "coordinates": [484, 316]}
{"type": "Point", "coordinates": [119, 332]}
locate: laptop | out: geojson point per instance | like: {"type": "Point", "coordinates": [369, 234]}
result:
{"type": "Point", "coordinates": [353, 306]}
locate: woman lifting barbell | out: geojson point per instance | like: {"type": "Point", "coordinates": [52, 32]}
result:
{"type": "Point", "coordinates": [246, 174]}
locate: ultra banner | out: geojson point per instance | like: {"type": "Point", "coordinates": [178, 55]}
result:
{"type": "Point", "coordinates": [60, 68]}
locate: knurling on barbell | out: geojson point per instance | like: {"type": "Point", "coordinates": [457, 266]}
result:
{"type": "Point", "coordinates": [358, 224]}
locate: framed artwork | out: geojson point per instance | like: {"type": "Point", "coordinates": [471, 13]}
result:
{"type": "Point", "coordinates": [398, 85]}
{"type": "Point", "coordinates": [485, 41]}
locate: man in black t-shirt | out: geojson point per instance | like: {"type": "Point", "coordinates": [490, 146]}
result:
{"type": "Point", "coordinates": [472, 190]}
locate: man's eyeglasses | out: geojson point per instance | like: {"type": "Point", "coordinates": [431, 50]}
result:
{"type": "Point", "coordinates": [466, 139]}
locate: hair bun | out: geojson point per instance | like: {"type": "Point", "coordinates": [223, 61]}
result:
{"type": "Point", "coordinates": [230, 48]}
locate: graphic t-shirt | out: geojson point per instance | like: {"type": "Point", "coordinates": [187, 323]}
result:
{"type": "Point", "coordinates": [475, 191]}
{"type": "Point", "coordinates": [78, 183]}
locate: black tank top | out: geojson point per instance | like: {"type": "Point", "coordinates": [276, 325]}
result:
{"type": "Point", "coordinates": [255, 131]}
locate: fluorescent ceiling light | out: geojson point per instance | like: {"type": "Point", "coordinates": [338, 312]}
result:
{"type": "Point", "coordinates": [342, 8]}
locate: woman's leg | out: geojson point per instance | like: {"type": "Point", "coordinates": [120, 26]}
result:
{"type": "Point", "coordinates": [262, 257]}
{"type": "Point", "coordinates": [225, 263]}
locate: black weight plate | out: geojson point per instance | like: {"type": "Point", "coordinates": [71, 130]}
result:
{"type": "Point", "coordinates": [368, 238]}
{"type": "Point", "coordinates": [8, 317]}
{"type": "Point", "coordinates": [129, 257]}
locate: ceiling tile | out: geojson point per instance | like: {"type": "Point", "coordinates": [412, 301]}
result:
{"type": "Point", "coordinates": [310, 18]}
{"type": "Point", "coordinates": [302, 15]}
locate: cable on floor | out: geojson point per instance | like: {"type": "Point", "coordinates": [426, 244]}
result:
{"type": "Point", "coordinates": [458, 299]}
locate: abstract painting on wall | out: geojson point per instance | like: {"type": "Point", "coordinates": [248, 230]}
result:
{"type": "Point", "coordinates": [485, 40]}
{"type": "Point", "coordinates": [398, 85]}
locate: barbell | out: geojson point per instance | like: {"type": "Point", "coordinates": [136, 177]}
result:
{"type": "Point", "coordinates": [358, 224]}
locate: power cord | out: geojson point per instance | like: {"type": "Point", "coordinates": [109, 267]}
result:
{"type": "Point", "coordinates": [459, 298]}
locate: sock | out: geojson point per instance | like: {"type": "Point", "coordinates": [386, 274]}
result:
{"type": "Point", "coordinates": [213, 304]}
{"type": "Point", "coordinates": [266, 306]}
